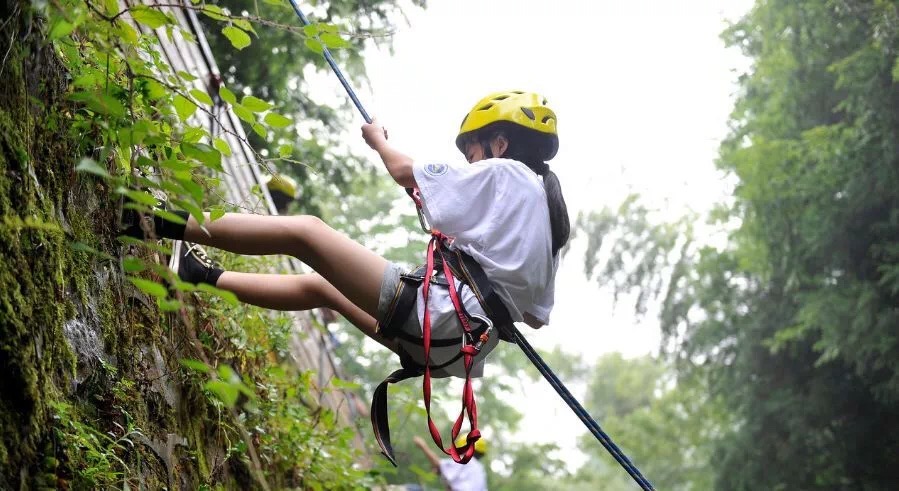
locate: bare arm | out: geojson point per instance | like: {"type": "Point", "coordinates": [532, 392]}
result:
{"type": "Point", "coordinates": [398, 164]}
{"type": "Point", "coordinates": [432, 457]}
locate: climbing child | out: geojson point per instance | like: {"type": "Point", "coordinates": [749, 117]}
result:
{"type": "Point", "coordinates": [502, 216]}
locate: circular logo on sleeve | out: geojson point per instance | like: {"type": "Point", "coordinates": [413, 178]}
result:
{"type": "Point", "coordinates": [436, 169]}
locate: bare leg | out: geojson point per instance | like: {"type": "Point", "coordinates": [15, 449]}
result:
{"type": "Point", "coordinates": [298, 292]}
{"type": "Point", "coordinates": [353, 270]}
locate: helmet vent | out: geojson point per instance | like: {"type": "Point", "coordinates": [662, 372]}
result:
{"type": "Point", "coordinates": [501, 98]}
{"type": "Point", "coordinates": [546, 119]}
{"type": "Point", "coordinates": [485, 107]}
{"type": "Point", "coordinates": [530, 114]}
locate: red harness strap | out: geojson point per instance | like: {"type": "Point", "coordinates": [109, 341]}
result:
{"type": "Point", "coordinates": [470, 348]}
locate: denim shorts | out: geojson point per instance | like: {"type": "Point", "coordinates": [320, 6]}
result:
{"type": "Point", "coordinates": [389, 286]}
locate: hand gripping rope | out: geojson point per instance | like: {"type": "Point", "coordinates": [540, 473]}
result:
{"type": "Point", "coordinates": [436, 247]}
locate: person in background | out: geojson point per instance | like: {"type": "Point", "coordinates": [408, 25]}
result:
{"type": "Point", "coordinates": [459, 477]}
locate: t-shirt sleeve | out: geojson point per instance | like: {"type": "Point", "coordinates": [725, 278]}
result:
{"type": "Point", "coordinates": [457, 197]}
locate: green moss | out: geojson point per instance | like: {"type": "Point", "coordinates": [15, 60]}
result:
{"type": "Point", "coordinates": [58, 403]}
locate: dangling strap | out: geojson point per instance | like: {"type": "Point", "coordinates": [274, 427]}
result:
{"type": "Point", "coordinates": [379, 421]}
{"type": "Point", "coordinates": [469, 350]}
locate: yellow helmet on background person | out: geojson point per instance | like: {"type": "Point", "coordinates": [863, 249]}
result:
{"type": "Point", "coordinates": [283, 190]}
{"type": "Point", "coordinates": [480, 446]}
{"type": "Point", "coordinates": [527, 110]}
{"type": "Point", "coordinates": [282, 184]}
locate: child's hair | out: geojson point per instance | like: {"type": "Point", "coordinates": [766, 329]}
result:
{"type": "Point", "coordinates": [527, 147]}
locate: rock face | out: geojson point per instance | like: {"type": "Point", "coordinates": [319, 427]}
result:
{"type": "Point", "coordinates": [94, 391]}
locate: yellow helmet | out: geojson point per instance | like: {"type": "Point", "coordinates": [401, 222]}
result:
{"type": "Point", "coordinates": [281, 183]}
{"type": "Point", "coordinates": [480, 446]}
{"type": "Point", "coordinates": [525, 109]}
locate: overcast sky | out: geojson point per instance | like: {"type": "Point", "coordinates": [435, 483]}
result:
{"type": "Point", "coordinates": [642, 90]}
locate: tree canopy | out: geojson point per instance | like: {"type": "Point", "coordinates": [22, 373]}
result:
{"type": "Point", "coordinates": [792, 321]}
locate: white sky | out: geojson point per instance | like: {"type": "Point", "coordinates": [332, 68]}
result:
{"type": "Point", "coordinates": [642, 90]}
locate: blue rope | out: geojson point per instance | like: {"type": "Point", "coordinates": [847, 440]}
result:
{"type": "Point", "coordinates": [579, 410]}
{"type": "Point", "coordinates": [346, 85]}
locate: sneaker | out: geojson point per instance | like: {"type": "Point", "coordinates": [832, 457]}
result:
{"type": "Point", "coordinates": [195, 266]}
{"type": "Point", "coordinates": [141, 225]}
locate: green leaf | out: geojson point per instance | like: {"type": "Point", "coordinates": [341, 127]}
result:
{"type": "Point", "coordinates": [141, 197]}
{"type": "Point", "coordinates": [228, 297]}
{"type": "Point", "coordinates": [311, 30]}
{"type": "Point", "coordinates": [314, 45]}
{"type": "Point", "coordinates": [60, 28]}
{"type": "Point", "coordinates": [201, 96]}
{"type": "Point", "coordinates": [216, 212]}
{"type": "Point", "coordinates": [111, 7]}
{"type": "Point", "coordinates": [149, 17]}
{"type": "Point", "coordinates": [209, 156]}
{"type": "Point", "coordinates": [183, 286]}
{"type": "Point", "coordinates": [169, 216]}
{"type": "Point", "coordinates": [276, 120]}
{"type": "Point", "coordinates": [188, 36]}
{"type": "Point", "coordinates": [82, 247]}
{"type": "Point", "coordinates": [133, 264]}
{"type": "Point", "coordinates": [194, 189]}
{"type": "Point", "coordinates": [91, 166]}
{"type": "Point", "coordinates": [186, 76]}
{"type": "Point", "coordinates": [260, 130]}
{"type": "Point", "coordinates": [194, 134]}
{"type": "Point", "coordinates": [149, 287]}
{"type": "Point", "coordinates": [126, 240]}
{"type": "Point", "coordinates": [176, 165]}
{"type": "Point", "coordinates": [332, 40]}
{"type": "Point", "coordinates": [127, 32]}
{"type": "Point", "coordinates": [215, 12]}
{"type": "Point", "coordinates": [227, 95]}
{"type": "Point", "coordinates": [223, 391]}
{"type": "Point", "coordinates": [244, 24]}
{"type": "Point", "coordinates": [239, 39]}
{"type": "Point", "coordinates": [896, 70]}
{"type": "Point", "coordinates": [285, 150]}
{"type": "Point", "coordinates": [192, 208]}
{"type": "Point", "coordinates": [255, 104]}
{"type": "Point", "coordinates": [100, 102]}
{"type": "Point", "coordinates": [243, 113]}
{"type": "Point", "coordinates": [195, 365]}
{"type": "Point", "coordinates": [222, 146]}
{"type": "Point", "coordinates": [344, 384]}
{"type": "Point", "coordinates": [169, 305]}
{"type": "Point", "coordinates": [184, 107]}
{"type": "Point", "coordinates": [227, 374]}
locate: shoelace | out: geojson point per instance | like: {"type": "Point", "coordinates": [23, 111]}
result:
{"type": "Point", "coordinates": [200, 255]}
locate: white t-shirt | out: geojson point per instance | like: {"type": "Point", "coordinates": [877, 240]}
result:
{"type": "Point", "coordinates": [496, 211]}
{"type": "Point", "coordinates": [464, 477]}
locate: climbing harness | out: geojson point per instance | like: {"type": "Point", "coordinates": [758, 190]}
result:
{"type": "Point", "coordinates": [455, 266]}
{"type": "Point", "coordinates": [468, 272]}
